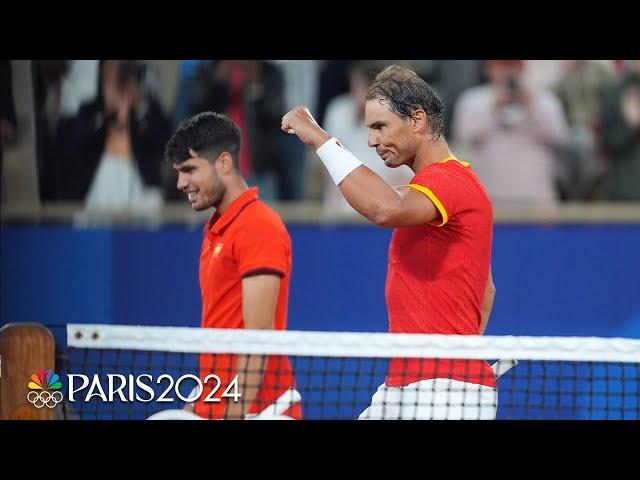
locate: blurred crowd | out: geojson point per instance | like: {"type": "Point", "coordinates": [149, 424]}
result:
{"type": "Point", "coordinates": [537, 132]}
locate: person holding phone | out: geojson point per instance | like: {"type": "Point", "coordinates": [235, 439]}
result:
{"type": "Point", "coordinates": [512, 131]}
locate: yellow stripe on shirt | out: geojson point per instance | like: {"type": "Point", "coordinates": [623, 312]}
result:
{"type": "Point", "coordinates": [434, 199]}
{"type": "Point", "coordinates": [451, 157]}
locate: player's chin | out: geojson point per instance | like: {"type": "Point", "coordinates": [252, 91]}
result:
{"type": "Point", "coordinates": [392, 163]}
{"type": "Point", "coordinates": [198, 206]}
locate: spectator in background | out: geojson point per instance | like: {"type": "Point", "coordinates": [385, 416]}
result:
{"type": "Point", "coordinates": [60, 86]}
{"type": "Point", "coordinates": [344, 118]}
{"type": "Point", "coordinates": [114, 147]}
{"type": "Point", "coordinates": [8, 122]}
{"type": "Point", "coordinates": [251, 94]}
{"type": "Point", "coordinates": [181, 106]}
{"type": "Point", "coordinates": [580, 91]}
{"type": "Point", "coordinates": [333, 81]}
{"type": "Point", "coordinates": [456, 76]}
{"type": "Point", "coordinates": [78, 86]}
{"type": "Point", "coordinates": [301, 88]}
{"type": "Point", "coordinates": [513, 132]}
{"type": "Point", "coordinates": [542, 74]}
{"type": "Point", "coordinates": [621, 134]}
{"type": "Point", "coordinates": [48, 76]}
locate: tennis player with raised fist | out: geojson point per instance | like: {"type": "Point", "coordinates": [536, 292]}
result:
{"type": "Point", "coordinates": [439, 277]}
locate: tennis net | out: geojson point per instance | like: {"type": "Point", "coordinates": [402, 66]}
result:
{"type": "Point", "coordinates": [136, 372]}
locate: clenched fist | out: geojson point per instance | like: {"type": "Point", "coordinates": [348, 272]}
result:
{"type": "Point", "coordinates": [300, 122]}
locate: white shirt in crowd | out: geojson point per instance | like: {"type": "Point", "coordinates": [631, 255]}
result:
{"type": "Point", "coordinates": [512, 150]}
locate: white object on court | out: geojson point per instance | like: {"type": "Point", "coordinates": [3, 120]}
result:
{"type": "Point", "coordinates": [175, 414]}
{"type": "Point", "coordinates": [276, 410]}
{"type": "Point", "coordinates": [437, 399]}
{"type": "Point", "coordinates": [503, 366]}
{"type": "Point", "coordinates": [433, 399]}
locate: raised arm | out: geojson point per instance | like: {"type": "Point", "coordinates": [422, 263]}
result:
{"type": "Point", "coordinates": [365, 190]}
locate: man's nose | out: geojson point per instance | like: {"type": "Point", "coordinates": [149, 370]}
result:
{"type": "Point", "coordinates": [373, 139]}
{"type": "Point", "coordinates": [182, 183]}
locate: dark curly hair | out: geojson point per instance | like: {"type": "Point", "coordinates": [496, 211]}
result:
{"type": "Point", "coordinates": [404, 92]}
{"type": "Point", "coordinates": [208, 134]}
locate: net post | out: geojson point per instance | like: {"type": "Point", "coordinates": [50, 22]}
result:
{"type": "Point", "coordinates": [25, 348]}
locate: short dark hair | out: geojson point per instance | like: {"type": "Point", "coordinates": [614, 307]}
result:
{"type": "Point", "coordinates": [208, 134]}
{"type": "Point", "coordinates": [404, 91]}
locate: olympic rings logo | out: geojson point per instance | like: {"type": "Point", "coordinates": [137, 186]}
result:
{"type": "Point", "coordinates": [40, 399]}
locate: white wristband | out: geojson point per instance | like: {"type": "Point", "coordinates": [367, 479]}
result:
{"type": "Point", "coordinates": [339, 161]}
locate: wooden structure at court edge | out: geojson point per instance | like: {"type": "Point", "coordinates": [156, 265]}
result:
{"type": "Point", "coordinates": [25, 348]}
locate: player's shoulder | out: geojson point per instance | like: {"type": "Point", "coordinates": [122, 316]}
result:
{"type": "Point", "coordinates": [451, 174]}
{"type": "Point", "coordinates": [448, 168]}
{"type": "Point", "coordinates": [260, 216]}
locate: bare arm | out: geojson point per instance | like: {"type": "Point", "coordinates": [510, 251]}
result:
{"type": "Point", "coordinates": [366, 191]}
{"type": "Point", "coordinates": [487, 303]}
{"type": "Point", "coordinates": [259, 301]}
{"type": "Point", "coordinates": [382, 204]}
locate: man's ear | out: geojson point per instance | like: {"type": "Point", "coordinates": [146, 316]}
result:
{"type": "Point", "coordinates": [224, 163]}
{"type": "Point", "coordinates": [419, 120]}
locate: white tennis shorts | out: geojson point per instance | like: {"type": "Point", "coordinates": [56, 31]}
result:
{"type": "Point", "coordinates": [433, 399]}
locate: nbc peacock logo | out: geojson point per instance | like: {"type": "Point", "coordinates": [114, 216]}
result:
{"type": "Point", "coordinates": [39, 386]}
